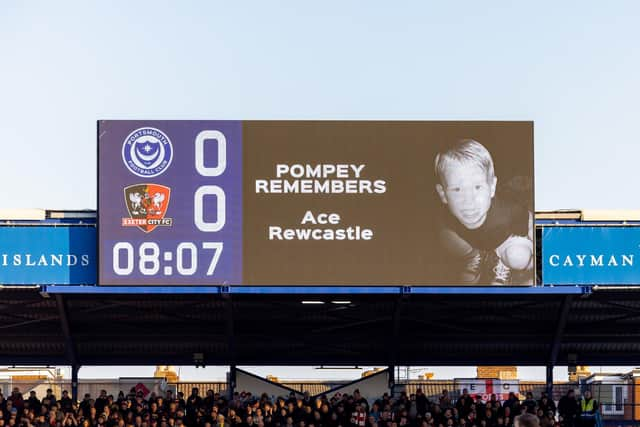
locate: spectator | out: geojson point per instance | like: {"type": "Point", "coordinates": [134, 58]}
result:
{"type": "Point", "coordinates": [526, 420]}
{"type": "Point", "coordinates": [494, 403]}
{"type": "Point", "coordinates": [17, 401]}
{"type": "Point", "coordinates": [489, 418]}
{"type": "Point", "coordinates": [422, 402]}
{"type": "Point", "coordinates": [479, 406]}
{"type": "Point", "coordinates": [66, 404]}
{"type": "Point", "coordinates": [530, 403]}
{"type": "Point", "coordinates": [547, 419]}
{"type": "Point", "coordinates": [69, 419]}
{"type": "Point", "coordinates": [445, 400]}
{"type": "Point", "coordinates": [359, 416]}
{"type": "Point", "coordinates": [193, 403]}
{"type": "Point", "coordinates": [33, 402]}
{"type": "Point", "coordinates": [512, 403]}
{"type": "Point", "coordinates": [463, 404]}
{"type": "Point", "coordinates": [101, 401]}
{"type": "Point", "coordinates": [568, 409]}
{"type": "Point", "coordinates": [181, 402]}
{"type": "Point", "coordinates": [85, 405]}
{"type": "Point", "coordinates": [546, 404]}
{"type": "Point", "coordinates": [50, 399]}
{"type": "Point", "coordinates": [245, 410]}
{"type": "Point", "coordinates": [588, 410]}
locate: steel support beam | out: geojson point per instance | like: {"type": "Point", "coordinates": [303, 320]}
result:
{"type": "Point", "coordinates": [563, 315]}
{"type": "Point", "coordinates": [550, 381]}
{"type": "Point", "coordinates": [232, 381]}
{"type": "Point", "coordinates": [392, 380]}
{"type": "Point", "coordinates": [74, 382]}
{"type": "Point", "coordinates": [396, 322]}
{"type": "Point", "coordinates": [69, 344]}
{"type": "Point", "coordinates": [229, 329]}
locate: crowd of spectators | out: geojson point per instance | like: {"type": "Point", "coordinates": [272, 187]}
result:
{"type": "Point", "coordinates": [246, 410]}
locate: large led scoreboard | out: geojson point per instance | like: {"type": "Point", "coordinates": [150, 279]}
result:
{"type": "Point", "coordinates": [315, 203]}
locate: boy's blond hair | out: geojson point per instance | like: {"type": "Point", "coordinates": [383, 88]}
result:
{"type": "Point", "coordinates": [464, 151]}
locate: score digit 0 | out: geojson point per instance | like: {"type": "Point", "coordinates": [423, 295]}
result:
{"type": "Point", "coordinates": [210, 190]}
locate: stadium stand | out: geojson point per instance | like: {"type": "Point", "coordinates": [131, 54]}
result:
{"type": "Point", "coordinates": [212, 409]}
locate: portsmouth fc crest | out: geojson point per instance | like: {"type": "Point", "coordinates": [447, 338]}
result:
{"type": "Point", "coordinates": [147, 205]}
{"type": "Point", "coordinates": [147, 152]}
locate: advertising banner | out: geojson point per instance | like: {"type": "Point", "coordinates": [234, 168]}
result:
{"type": "Point", "coordinates": [47, 255]}
{"type": "Point", "coordinates": [591, 256]}
{"type": "Point", "coordinates": [315, 203]}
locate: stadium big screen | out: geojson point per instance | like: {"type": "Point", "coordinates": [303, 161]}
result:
{"type": "Point", "coordinates": [338, 203]}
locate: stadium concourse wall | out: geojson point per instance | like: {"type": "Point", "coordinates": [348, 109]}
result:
{"type": "Point", "coordinates": [371, 387]}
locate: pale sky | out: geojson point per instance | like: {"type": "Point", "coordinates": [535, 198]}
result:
{"type": "Point", "coordinates": [571, 67]}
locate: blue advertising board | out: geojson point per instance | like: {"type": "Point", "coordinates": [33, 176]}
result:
{"type": "Point", "coordinates": [591, 256]}
{"type": "Point", "coordinates": [37, 255]}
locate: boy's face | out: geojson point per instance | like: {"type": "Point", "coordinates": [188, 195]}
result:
{"type": "Point", "coordinates": [467, 191]}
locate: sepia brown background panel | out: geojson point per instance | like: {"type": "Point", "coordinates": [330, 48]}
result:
{"type": "Point", "coordinates": [403, 250]}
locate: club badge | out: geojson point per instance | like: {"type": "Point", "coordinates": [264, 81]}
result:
{"type": "Point", "coordinates": [147, 205]}
{"type": "Point", "coordinates": [147, 152]}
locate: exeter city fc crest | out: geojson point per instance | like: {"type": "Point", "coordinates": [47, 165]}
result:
{"type": "Point", "coordinates": [147, 204]}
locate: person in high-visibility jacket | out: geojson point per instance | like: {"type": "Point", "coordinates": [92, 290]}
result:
{"type": "Point", "coordinates": [588, 410]}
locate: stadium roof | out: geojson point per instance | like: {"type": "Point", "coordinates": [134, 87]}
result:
{"type": "Point", "coordinates": [594, 328]}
